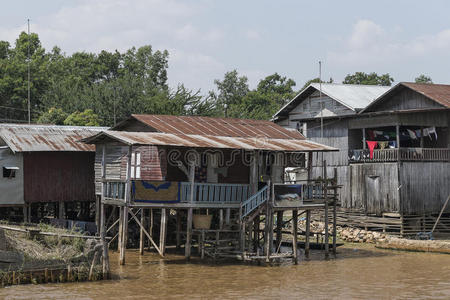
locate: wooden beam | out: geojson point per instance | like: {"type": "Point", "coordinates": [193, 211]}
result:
{"type": "Point", "coordinates": [150, 228]}
{"type": "Point", "coordinates": [279, 228]}
{"type": "Point", "coordinates": [178, 234]}
{"type": "Point", "coordinates": [125, 208]}
{"type": "Point", "coordinates": [105, 245]}
{"type": "Point", "coordinates": [334, 210]}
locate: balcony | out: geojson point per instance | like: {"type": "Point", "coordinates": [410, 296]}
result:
{"type": "Point", "coordinates": [402, 154]}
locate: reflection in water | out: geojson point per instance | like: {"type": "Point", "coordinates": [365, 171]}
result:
{"type": "Point", "coordinates": [357, 273]}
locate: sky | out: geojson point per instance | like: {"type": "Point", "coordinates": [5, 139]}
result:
{"type": "Point", "coordinates": [207, 38]}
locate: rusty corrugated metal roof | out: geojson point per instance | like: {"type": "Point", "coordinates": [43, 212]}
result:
{"type": "Point", "coordinates": [208, 141]}
{"type": "Point", "coordinates": [215, 126]}
{"type": "Point", "coordinates": [27, 138]}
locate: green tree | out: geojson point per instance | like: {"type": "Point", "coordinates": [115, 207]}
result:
{"type": "Point", "coordinates": [315, 80]}
{"type": "Point", "coordinates": [369, 79]}
{"type": "Point", "coordinates": [14, 76]}
{"type": "Point", "coordinates": [231, 90]}
{"type": "Point", "coordinates": [85, 118]}
{"type": "Point", "coordinates": [423, 79]}
{"type": "Point", "coordinates": [54, 116]}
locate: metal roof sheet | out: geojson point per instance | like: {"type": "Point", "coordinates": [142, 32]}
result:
{"type": "Point", "coordinates": [208, 141]}
{"type": "Point", "coordinates": [216, 126]}
{"type": "Point", "coordinates": [27, 138]}
{"type": "Point", "coordinates": [353, 96]}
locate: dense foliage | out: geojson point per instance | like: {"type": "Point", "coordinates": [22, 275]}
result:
{"type": "Point", "coordinates": [105, 88]}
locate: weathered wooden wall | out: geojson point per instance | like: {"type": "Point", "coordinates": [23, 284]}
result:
{"type": "Point", "coordinates": [373, 188]}
{"type": "Point", "coordinates": [424, 186]}
{"type": "Point", "coordinates": [405, 99]}
{"type": "Point", "coordinates": [153, 163]}
{"type": "Point", "coordinates": [58, 176]}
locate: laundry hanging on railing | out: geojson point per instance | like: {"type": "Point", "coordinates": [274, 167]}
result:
{"type": "Point", "coordinates": [371, 145]}
{"type": "Point", "coordinates": [383, 144]}
{"type": "Point", "coordinates": [392, 144]}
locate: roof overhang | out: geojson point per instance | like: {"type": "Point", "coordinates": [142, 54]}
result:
{"type": "Point", "coordinates": [207, 141]}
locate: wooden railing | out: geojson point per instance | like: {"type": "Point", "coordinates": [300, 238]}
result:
{"type": "Point", "coordinates": [403, 154]}
{"type": "Point", "coordinates": [114, 189]}
{"type": "Point", "coordinates": [254, 201]}
{"type": "Point", "coordinates": [215, 192]}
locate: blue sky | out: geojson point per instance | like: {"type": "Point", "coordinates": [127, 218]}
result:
{"type": "Point", "coordinates": [206, 38]}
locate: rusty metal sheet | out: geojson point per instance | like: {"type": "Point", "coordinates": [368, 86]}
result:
{"type": "Point", "coordinates": [208, 141]}
{"type": "Point", "coordinates": [437, 92]}
{"type": "Point", "coordinates": [29, 138]}
{"type": "Point", "coordinates": [216, 126]}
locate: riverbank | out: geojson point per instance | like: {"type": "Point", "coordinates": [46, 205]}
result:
{"type": "Point", "coordinates": [42, 254]}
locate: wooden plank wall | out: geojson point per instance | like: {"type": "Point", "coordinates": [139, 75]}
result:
{"type": "Point", "coordinates": [425, 186]}
{"type": "Point", "coordinates": [374, 188]}
{"type": "Point", "coordinates": [405, 99]}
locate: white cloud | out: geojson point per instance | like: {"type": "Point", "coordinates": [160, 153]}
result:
{"type": "Point", "coordinates": [369, 44]}
{"type": "Point", "coordinates": [118, 24]}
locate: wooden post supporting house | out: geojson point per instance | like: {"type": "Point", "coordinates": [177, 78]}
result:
{"type": "Point", "coordinates": [325, 193]}
{"type": "Point", "coordinates": [141, 232]}
{"type": "Point", "coordinates": [279, 235]}
{"type": "Point", "coordinates": [294, 235]}
{"type": "Point", "coordinates": [307, 232]}
{"type": "Point", "coordinates": [334, 210]}
{"type": "Point", "coordinates": [187, 250]}
{"type": "Point", "coordinates": [105, 256]}
{"type": "Point", "coordinates": [163, 231]}
{"type": "Point", "coordinates": [150, 228]}
{"type": "Point", "coordinates": [179, 228]}
{"type": "Point", "coordinates": [125, 208]}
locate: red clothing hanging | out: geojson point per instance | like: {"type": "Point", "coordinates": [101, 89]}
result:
{"type": "Point", "coordinates": [371, 145]}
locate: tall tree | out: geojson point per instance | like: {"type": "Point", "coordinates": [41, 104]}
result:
{"type": "Point", "coordinates": [423, 79]}
{"type": "Point", "coordinates": [231, 90]}
{"type": "Point", "coordinates": [369, 79]}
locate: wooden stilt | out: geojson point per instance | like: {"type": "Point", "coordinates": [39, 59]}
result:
{"type": "Point", "coordinates": [334, 210]}
{"type": "Point", "coordinates": [307, 232]}
{"type": "Point", "coordinates": [163, 231]}
{"type": "Point", "coordinates": [123, 245]}
{"type": "Point", "coordinates": [105, 256]}
{"type": "Point", "coordinates": [325, 192]}
{"type": "Point", "coordinates": [279, 228]}
{"type": "Point", "coordinates": [120, 236]}
{"type": "Point", "coordinates": [97, 213]}
{"type": "Point", "coordinates": [227, 216]}
{"type": "Point", "coordinates": [25, 213]}
{"type": "Point", "coordinates": [178, 230]}
{"type": "Point", "coordinates": [221, 218]}
{"type": "Point", "coordinates": [294, 235]}
{"type": "Point", "coordinates": [256, 222]}
{"type": "Point", "coordinates": [268, 233]}
{"type": "Point", "coordinates": [141, 232]}
{"type": "Point", "coordinates": [243, 238]}
{"type": "Point", "coordinates": [61, 211]}
{"type": "Point", "coordinates": [187, 249]}
{"type": "Point", "coordinates": [150, 228]}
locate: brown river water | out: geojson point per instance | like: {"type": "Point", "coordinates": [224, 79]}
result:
{"type": "Point", "coordinates": [358, 272]}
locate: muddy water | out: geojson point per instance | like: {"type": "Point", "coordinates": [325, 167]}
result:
{"type": "Point", "coordinates": [358, 272]}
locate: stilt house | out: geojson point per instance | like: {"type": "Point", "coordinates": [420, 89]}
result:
{"type": "Point", "coordinates": [394, 152]}
{"type": "Point", "coordinates": [46, 170]}
{"type": "Point", "coordinates": [230, 170]}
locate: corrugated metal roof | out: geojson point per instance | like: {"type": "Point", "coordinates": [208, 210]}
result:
{"type": "Point", "coordinates": [216, 126]}
{"type": "Point", "coordinates": [353, 96]}
{"type": "Point", "coordinates": [26, 138]}
{"type": "Point", "coordinates": [208, 141]}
